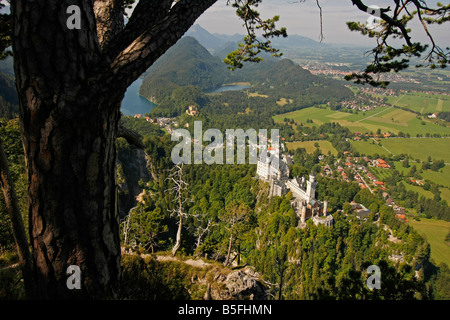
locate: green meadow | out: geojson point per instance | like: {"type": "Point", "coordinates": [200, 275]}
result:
{"type": "Point", "coordinates": [387, 119]}
{"type": "Point", "coordinates": [435, 232]}
{"type": "Point", "coordinates": [420, 148]}
{"type": "Point", "coordinates": [441, 177]}
{"type": "Point", "coordinates": [422, 102]}
{"type": "Point", "coordinates": [445, 194]}
{"type": "Point", "coordinates": [324, 146]}
{"type": "Point", "coordinates": [369, 147]}
{"type": "Point", "coordinates": [421, 191]}
{"type": "Point", "coordinates": [416, 148]}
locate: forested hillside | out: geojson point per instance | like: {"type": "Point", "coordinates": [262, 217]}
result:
{"type": "Point", "coordinates": [186, 63]}
{"type": "Point", "coordinates": [9, 104]}
{"type": "Point", "coordinates": [185, 74]}
{"type": "Point", "coordinates": [316, 262]}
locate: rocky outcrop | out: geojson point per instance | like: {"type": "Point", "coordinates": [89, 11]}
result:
{"type": "Point", "coordinates": [136, 166]}
{"type": "Point", "coordinates": [217, 282]}
{"type": "Point", "coordinates": [241, 284]}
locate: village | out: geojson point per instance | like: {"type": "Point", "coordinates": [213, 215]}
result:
{"type": "Point", "coordinates": [339, 71]}
{"type": "Point", "coordinates": [358, 169]}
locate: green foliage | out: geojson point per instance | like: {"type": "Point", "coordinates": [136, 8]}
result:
{"type": "Point", "coordinates": [11, 282]}
{"type": "Point", "coordinates": [186, 63]}
{"type": "Point", "coordinates": [316, 262]}
{"type": "Point", "coordinates": [428, 207]}
{"type": "Point", "coordinates": [148, 279]}
{"type": "Point", "coordinates": [440, 283]}
{"type": "Point", "coordinates": [5, 33]}
{"type": "Point", "coordinates": [185, 72]}
{"type": "Point", "coordinates": [251, 48]}
{"type": "Point", "coordinates": [143, 228]}
{"type": "Point", "coordinates": [12, 143]}
{"type": "Point", "coordinates": [9, 104]}
{"type": "Point", "coordinates": [388, 58]}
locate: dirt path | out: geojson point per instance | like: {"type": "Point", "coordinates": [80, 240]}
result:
{"type": "Point", "coordinates": [195, 263]}
{"type": "Point", "coordinates": [374, 114]}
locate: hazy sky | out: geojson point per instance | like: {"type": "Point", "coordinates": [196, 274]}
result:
{"type": "Point", "coordinates": [303, 18]}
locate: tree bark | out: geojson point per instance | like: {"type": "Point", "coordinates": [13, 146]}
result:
{"type": "Point", "coordinates": [70, 85]}
{"type": "Point", "coordinates": [69, 125]}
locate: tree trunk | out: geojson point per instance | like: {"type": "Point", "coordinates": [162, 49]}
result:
{"type": "Point", "coordinates": [73, 203]}
{"type": "Point", "coordinates": [178, 239]}
{"type": "Point", "coordinates": [69, 121]}
{"type": "Point", "coordinates": [18, 229]}
{"type": "Point", "coordinates": [230, 245]}
{"type": "Point", "coordinates": [280, 289]}
{"type": "Point", "coordinates": [70, 84]}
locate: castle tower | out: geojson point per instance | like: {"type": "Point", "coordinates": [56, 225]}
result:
{"type": "Point", "coordinates": [311, 186]}
{"type": "Point", "coordinates": [325, 207]}
{"type": "Point", "coordinates": [303, 212]}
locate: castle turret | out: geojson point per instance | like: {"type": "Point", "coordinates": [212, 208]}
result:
{"type": "Point", "coordinates": [303, 213]}
{"type": "Point", "coordinates": [311, 186]}
{"type": "Point", "coordinates": [325, 207]}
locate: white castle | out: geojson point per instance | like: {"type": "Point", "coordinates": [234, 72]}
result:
{"type": "Point", "coordinates": [304, 200]}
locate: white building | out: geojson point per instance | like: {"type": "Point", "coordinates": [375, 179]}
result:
{"type": "Point", "coordinates": [304, 200]}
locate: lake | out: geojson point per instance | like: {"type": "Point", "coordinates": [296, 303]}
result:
{"type": "Point", "coordinates": [133, 103]}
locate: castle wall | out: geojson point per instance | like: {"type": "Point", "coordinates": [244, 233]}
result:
{"type": "Point", "coordinates": [297, 191]}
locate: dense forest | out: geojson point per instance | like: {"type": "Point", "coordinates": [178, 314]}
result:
{"type": "Point", "coordinates": [316, 262]}
{"type": "Point", "coordinates": [186, 63]}
{"type": "Point", "coordinates": [9, 104]}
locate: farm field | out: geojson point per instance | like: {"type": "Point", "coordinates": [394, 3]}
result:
{"type": "Point", "coordinates": [420, 148]}
{"type": "Point", "coordinates": [419, 190]}
{"type": "Point", "coordinates": [324, 146]}
{"type": "Point", "coordinates": [387, 119]}
{"type": "Point", "coordinates": [422, 102]}
{"type": "Point", "coordinates": [435, 232]}
{"type": "Point", "coordinates": [441, 177]}
{"type": "Point", "coordinates": [368, 148]}
{"type": "Point", "coordinates": [445, 194]}
{"type": "Point", "coordinates": [380, 173]}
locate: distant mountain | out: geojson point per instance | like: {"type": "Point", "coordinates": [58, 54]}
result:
{"type": "Point", "coordinates": [186, 63]}
{"type": "Point", "coordinates": [230, 37]}
{"type": "Point", "coordinates": [225, 49]}
{"type": "Point", "coordinates": [214, 42]}
{"type": "Point", "coordinates": [296, 41]}
{"type": "Point", "coordinates": [205, 38]}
